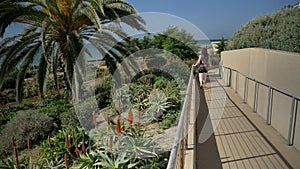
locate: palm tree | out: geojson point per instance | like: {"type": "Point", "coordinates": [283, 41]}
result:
{"type": "Point", "coordinates": [57, 30]}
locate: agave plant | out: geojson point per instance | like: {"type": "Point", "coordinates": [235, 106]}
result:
{"type": "Point", "coordinates": [102, 159]}
{"type": "Point", "coordinates": [139, 147]}
{"type": "Point", "coordinates": [157, 103]}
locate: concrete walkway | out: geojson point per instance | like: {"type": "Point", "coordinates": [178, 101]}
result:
{"type": "Point", "coordinates": [230, 135]}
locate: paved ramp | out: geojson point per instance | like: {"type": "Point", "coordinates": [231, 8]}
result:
{"type": "Point", "coordinates": [226, 138]}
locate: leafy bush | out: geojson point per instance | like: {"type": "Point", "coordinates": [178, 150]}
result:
{"type": "Point", "coordinates": [169, 119]}
{"type": "Point", "coordinates": [279, 31]}
{"type": "Point", "coordinates": [102, 92]}
{"type": "Point", "coordinates": [69, 119]}
{"type": "Point", "coordinates": [10, 81]}
{"type": "Point", "coordinates": [23, 126]}
{"type": "Point", "coordinates": [7, 112]}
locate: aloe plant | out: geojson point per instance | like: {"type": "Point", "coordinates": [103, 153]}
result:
{"type": "Point", "coordinates": [157, 103]}
{"type": "Point", "coordinates": [139, 147]}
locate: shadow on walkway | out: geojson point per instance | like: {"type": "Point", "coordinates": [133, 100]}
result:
{"type": "Point", "coordinates": [207, 155]}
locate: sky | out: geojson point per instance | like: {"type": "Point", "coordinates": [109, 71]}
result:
{"type": "Point", "coordinates": [215, 18]}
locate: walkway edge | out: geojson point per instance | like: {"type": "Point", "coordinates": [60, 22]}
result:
{"type": "Point", "coordinates": [290, 154]}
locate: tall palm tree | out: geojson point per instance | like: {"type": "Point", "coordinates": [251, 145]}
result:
{"type": "Point", "coordinates": [58, 30]}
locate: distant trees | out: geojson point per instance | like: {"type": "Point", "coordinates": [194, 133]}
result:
{"type": "Point", "coordinates": [279, 31]}
{"type": "Point", "coordinates": [221, 46]}
{"type": "Point", "coordinates": [174, 41]}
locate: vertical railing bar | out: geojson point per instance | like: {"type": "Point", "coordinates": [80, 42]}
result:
{"type": "Point", "coordinates": [270, 95]}
{"type": "Point", "coordinates": [255, 95]}
{"type": "Point", "coordinates": [227, 74]}
{"type": "Point", "coordinates": [295, 121]}
{"type": "Point", "coordinates": [230, 76]}
{"type": "Point", "coordinates": [245, 89]}
{"type": "Point", "coordinates": [290, 131]}
{"type": "Point", "coordinates": [236, 81]}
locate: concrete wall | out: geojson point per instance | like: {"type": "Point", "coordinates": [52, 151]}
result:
{"type": "Point", "coordinates": [278, 69]}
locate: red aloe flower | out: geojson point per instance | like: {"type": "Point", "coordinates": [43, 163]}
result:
{"type": "Point", "coordinates": [66, 161]}
{"type": "Point", "coordinates": [76, 150]}
{"type": "Point", "coordinates": [83, 147]}
{"type": "Point", "coordinates": [130, 118]}
{"type": "Point", "coordinates": [118, 128]}
{"type": "Point", "coordinates": [67, 140]}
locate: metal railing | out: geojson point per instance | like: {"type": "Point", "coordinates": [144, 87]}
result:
{"type": "Point", "coordinates": [177, 155]}
{"type": "Point", "coordinates": [271, 89]}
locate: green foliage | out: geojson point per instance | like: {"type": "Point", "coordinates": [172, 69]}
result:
{"type": "Point", "coordinates": [69, 118]}
{"type": "Point", "coordinates": [279, 31]}
{"type": "Point", "coordinates": [23, 126]}
{"type": "Point", "coordinates": [7, 112]}
{"type": "Point", "coordinates": [221, 46]}
{"type": "Point", "coordinates": [102, 92]}
{"type": "Point", "coordinates": [10, 80]}
{"type": "Point", "coordinates": [173, 41]}
{"type": "Point", "coordinates": [176, 42]}
{"type": "Point", "coordinates": [169, 119]}
{"type": "Point", "coordinates": [54, 149]}
{"type": "Point", "coordinates": [59, 109]}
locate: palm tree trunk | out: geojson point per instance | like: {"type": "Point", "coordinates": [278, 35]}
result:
{"type": "Point", "coordinates": [65, 71]}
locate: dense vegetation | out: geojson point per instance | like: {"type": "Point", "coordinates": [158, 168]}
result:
{"type": "Point", "coordinates": [45, 132]}
{"type": "Point", "coordinates": [279, 31]}
{"type": "Point", "coordinates": [173, 40]}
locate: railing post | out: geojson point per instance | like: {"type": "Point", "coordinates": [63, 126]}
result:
{"type": "Point", "coordinates": [181, 153]}
{"type": "Point", "coordinates": [255, 95]}
{"type": "Point", "coordinates": [230, 74]}
{"type": "Point", "coordinates": [236, 81]}
{"type": "Point", "coordinates": [221, 69]}
{"type": "Point", "coordinates": [291, 123]}
{"type": "Point", "coordinates": [270, 104]}
{"type": "Point", "coordinates": [245, 90]}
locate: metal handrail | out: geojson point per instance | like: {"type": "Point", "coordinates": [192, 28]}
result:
{"type": "Point", "coordinates": [294, 105]}
{"type": "Point", "coordinates": [176, 159]}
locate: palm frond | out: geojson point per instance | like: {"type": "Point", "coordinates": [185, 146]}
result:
{"type": "Point", "coordinates": [42, 74]}
{"type": "Point", "coordinates": [24, 66]}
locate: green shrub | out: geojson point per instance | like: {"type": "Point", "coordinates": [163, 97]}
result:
{"type": "Point", "coordinates": [23, 126]}
{"type": "Point", "coordinates": [169, 119]}
{"type": "Point", "coordinates": [102, 92]}
{"type": "Point", "coordinates": [69, 119]}
{"type": "Point", "coordinates": [8, 112]}
{"type": "Point", "coordinates": [279, 31]}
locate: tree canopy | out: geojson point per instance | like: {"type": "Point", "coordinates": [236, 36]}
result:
{"type": "Point", "coordinates": [175, 41]}
{"type": "Point", "coordinates": [58, 29]}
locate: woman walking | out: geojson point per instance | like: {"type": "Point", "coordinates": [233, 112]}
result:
{"type": "Point", "coordinates": [203, 67]}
